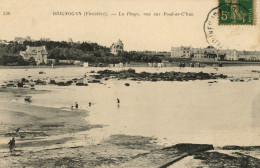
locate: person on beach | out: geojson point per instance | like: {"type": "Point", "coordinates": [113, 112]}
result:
{"type": "Point", "coordinates": [11, 144]}
{"type": "Point", "coordinates": [76, 105]}
{"type": "Point", "coordinates": [118, 101]}
{"type": "Point", "coordinates": [89, 104]}
{"type": "Point", "coordinates": [71, 108]}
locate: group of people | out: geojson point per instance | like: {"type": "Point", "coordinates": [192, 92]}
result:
{"type": "Point", "coordinates": [89, 104]}
{"type": "Point", "coordinates": [76, 106]}
{"type": "Point", "coordinates": [12, 141]}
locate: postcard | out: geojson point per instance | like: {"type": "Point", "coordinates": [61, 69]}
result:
{"type": "Point", "coordinates": [129, 83]}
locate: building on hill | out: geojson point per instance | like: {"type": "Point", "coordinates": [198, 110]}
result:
{"type": "Point", "coordinates": [181, 52]}
{"type": "Point", "coordinates": [213, 54]}
{"type": "Point", "coordinates": [45, 39]}
{"type": "Point", "coordinates": [70, 40]}
{"type": "Point", "coordinates": [117, 47]}
{"type": "Point", "coordinates": [231, 55]}
{"type": "Point", "coordinates": [249, 55]}
{"type": "Point", "coordinates": [20, 40]}
{"type": "Point", "coordinates": [210, 54]}
{"type": "Point", "coordinates": [4, 42]}
{"type": "Point", "coordinates": [39, 54]}
{"type": "Point", "coordinates": [199, 53]}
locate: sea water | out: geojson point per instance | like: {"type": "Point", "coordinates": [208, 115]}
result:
{"type": "Point", "coordinates": [222, 113]}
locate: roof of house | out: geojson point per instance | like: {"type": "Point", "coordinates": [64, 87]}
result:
{"type": "Point", "coordinates": [35, 49]}
{"type": "Point", "coordinates": [118, 43]}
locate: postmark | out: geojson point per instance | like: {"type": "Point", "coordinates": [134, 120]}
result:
{"type": "Point", "coordinates": [210, 29]}
{"type": "Point", "coordinates": [237, 12]}
{"type": "Point", "coordinates": [232, 35]}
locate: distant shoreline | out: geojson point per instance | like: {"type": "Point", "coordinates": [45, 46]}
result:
{"type": "Point", "coordinates": [140, 64]}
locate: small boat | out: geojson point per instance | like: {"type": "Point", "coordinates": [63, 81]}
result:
{"type": "Point", "coordinates": [28, 98]}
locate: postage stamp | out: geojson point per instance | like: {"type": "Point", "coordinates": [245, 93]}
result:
{"type": "Point", "coordinates": [237, 12]}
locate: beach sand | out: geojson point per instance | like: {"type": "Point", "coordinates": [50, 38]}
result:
{"type": "Point", "coordinates": [59, 137]}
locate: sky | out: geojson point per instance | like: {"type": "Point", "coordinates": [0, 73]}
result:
{"type": "Point", "coordinates": [35, 18]}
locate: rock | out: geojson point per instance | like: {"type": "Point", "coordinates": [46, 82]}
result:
{"type": "Point", "coordinates": [167, 76]}
{"type": "Point", "coordinates": [40, 82]}
{"type": "Point", "coordinates": [190, 148]}
{"type": "Point", "coordinates": [3, 86]}
{"type": "Point", "coordinates": [233, 148]}
{"type": "Point", "coordinates": [98, 76]}
{"type": "Point", "coordinates": [95, 81]}
{"type": "Point", "coordinates": [127, 84]}
{"type": "Point", "coordinates": [69, 82]}
{"type": "Point", "coordinates": [256, 71]}
{"type": "Point", "coordinates": [10, 85]}
{"type": "Point", "coordinates": [131, 71]}
{"type": "Point", "coordinates": [28, 98]}
{"type": "Point", "coordinates": [41, 72]}
{"type": "Point", "coordinates": [23, 80]}
{"type": "Point", "coordinates": [20, 84]}
{"type": "Point", "coordinates": [62, 84]}
{"type": "Point", "coordinates": [79, 84]}
{"type": "Point", "coordinates": [52, 81]}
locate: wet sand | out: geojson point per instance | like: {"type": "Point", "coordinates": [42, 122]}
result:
{"type": "Point", "coordinates": [29, 118]}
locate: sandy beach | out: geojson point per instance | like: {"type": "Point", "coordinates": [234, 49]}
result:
{"type": "Point", "coordinates": [132, 134]}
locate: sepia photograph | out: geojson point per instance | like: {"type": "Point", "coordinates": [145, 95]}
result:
{"type": "Point", "coordinates": [129, 83]}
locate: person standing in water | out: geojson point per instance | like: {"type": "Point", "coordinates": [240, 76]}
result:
{"type": "Point", "coordinates": [11, 144]}
{"type": "Point", "coordinates": [76, 105]}
{"type": "Point", "coordinates": [118, 103]}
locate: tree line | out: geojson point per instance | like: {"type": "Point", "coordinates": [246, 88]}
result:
{"type": "Point", "coordinates": [62, 50]}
